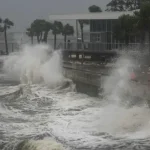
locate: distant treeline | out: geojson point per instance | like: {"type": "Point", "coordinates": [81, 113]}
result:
{"type": "Point", "coordinates": [40, 28]}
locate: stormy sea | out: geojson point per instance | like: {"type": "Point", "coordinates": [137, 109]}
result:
{"type": "Point", "coordinates": [40, 109]}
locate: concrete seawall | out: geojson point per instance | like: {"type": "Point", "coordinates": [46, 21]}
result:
{"type": "Point", "coordinates": [87, 79]}
{"type": "Point", "coordinates": [86, 82]}
{"type": "Point", "coordinates": [90, 81]}
{"type": "Point", "coordinates": [83, 76]}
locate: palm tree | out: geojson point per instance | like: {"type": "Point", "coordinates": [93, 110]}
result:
{"type": "Point", "coordinates": [67, 30]}
{"type": "Point", "coordinates": [57, 29]}
{"type": "Point", "coordinates": [30, 33]}
{"type": "Point", "coordinates": [38, 28]}
{"type": "Point", "coordinates": [47, 28]}
{"type": "Point", "coordinates": [82, 23]}
{"type": "Point", "coordinates": [7, 25]}
{"type": "Point", "coordinates": [94, 8]}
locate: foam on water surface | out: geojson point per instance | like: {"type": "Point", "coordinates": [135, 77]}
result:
{"type": "Point", "coordinates": [73, 119]}
{"type": "Point", "coordinates": [6, 90]}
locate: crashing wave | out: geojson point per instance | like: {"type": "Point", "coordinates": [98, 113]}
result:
{"type": "Point", "coordinates": [45, 144]}
{"type": "Point", "coordinates": [35, 64]}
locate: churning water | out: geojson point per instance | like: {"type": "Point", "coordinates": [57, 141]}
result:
{"type": "Point", "coordinates": [41, 110]}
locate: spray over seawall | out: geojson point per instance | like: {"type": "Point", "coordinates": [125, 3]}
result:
{"type": "Point", "coordinates": [118, 80]}
{"type": "Point", "coordinates": [126, 83]}
{"type": "Point", "coordinates": [35, 64]}
{"type": "Point", "coordinates": [125, 110]}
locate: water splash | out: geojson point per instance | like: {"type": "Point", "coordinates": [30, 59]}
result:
{"type": "Point", "coordinates": [118, 86]}
{"type": "Point", "coordinates": [121, 114]}
{"type": "Point", "coordinates": [35, 64]}
{"type": "Point", "coordinates": [43, 144]}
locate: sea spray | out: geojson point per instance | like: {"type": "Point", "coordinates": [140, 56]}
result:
{"type": "Point", "coordinates": [35, 64]}
{"type": "Point", "coordinates": [118, 116]}
{"type": "Point", "coordinates": [117, 83]}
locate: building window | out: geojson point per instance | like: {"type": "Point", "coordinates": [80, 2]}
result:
{"type": "Point", "coordinates": [95, 37]}
{"type": "Point", "coordinates": [103, 25]}
{"type": "Point", "coordinates": [98, 38]}
{"type": "Point", "coordinates": [109, 25]}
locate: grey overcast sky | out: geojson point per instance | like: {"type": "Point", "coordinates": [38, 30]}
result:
{"type": "Point", "coordinates": [23, 12]}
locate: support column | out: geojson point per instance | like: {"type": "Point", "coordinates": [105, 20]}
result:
{"type": "Point", "coordinates": [77, 34]}
{"type": "Point", "coordinates": [77, 29]}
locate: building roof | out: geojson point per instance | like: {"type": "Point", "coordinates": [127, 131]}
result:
{"type": "Point", "coordinates": [90, 16]}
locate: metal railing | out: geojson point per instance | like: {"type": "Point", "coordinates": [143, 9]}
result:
{"type": "Point", "coordinates": [97, 46]}
{"type": "Point", "coordinates": [11, 48]}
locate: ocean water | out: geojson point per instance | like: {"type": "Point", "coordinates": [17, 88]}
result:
{"type": "Point", "coordinates": [41, 110]}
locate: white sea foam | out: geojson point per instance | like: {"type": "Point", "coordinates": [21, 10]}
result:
{"type": "Point", "coordinates": [45, 144]}
{"type": "Point", "coordinates": [77, 119]}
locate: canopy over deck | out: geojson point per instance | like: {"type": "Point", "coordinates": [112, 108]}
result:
{"type": "Point", "coordinates": [90, 16]}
